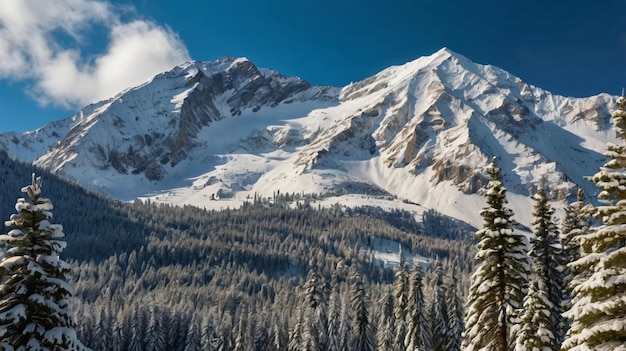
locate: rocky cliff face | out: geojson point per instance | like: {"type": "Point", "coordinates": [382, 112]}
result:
{"type": "Point", "coordinates": [445, 116]}
{"type": "Point", "coordinates": [146, 129]}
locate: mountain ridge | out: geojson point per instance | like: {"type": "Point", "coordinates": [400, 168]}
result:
{"type": "Point", "coordinates": [421, 132]}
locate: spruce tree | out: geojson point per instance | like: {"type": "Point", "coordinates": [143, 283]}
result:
{"type": "Point", "coordinates": [598, 312]}
{"type": "Point", "coordinates": [296, 332]}
{"type": "Point", "coordinates": [501, 276]}
{"type": "Point", "coordinates": [542, 321]}
{"type": "Point", "coordinates": [417, 332]}
{"type": "Point", "coordinates": [575, 223]}
{"type": "Point", "coordinates": [193, 341]}
{"type": "Point", "coordinates": [439, 318]}
{"type": "Point", "coordinates": [362, 330]}
{"type": "Point", "coordinates": [455, 312]}
{"type": "Point", "coordinates": [385, 330]}
{"type": "Point", "coordinates": [315, 330]}
{"type": "Point", "coordinates": [401, 303]}
{"type": "Point", "coordinates": [334, 318]}
{"type": "Point", "coordinates": [36, 311]}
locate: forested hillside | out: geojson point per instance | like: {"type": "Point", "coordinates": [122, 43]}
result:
{"type": "Point", "coordinates": [160, 277]}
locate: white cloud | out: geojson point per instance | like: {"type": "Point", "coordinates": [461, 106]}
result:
{"type": "Point", "coordinates": [31, 50]}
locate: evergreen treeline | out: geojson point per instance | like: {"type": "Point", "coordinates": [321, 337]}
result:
{"type": "Point", "coordinates": [160, 277]}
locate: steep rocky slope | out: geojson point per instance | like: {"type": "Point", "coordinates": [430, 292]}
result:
{"type": "Point", "coordinates": [423, 132]}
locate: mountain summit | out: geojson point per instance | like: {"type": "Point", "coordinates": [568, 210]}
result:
{"type": "Point", "coordinates": [423, 132]}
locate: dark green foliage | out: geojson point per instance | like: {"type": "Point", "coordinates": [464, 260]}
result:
{"type": "Point", "coordinates": [401, 305]}
{"type": "Point", "coordinates": [362, 330]}
{"type": "Point", "coordinates": [501, 277]}
{"type": "Point", "coordinates": [440, 316]}
{"type": "Point", "coordinates": [188, 266]}
{"type": "Point", "coordinates": [36, 311]}
{"type": "Point", "coordinates": [542, 322]}
{"type": "Point", "coordinates": [598, 310]}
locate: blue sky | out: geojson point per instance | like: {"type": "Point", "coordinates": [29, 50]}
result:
{"type": "Point", "coordinates": [56, 57]}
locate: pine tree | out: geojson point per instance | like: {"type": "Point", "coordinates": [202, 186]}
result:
{"type": "Point", "coordinates": [345, 325]}
{"type": "Point", "coordinates": [137, 339]}
{"type": "Point", "coordinates": [455, 313]}
{"type": "Point", "coordinates": [36, 311]}
{"type": "Point", "coordinates": [315, 336]}
{"type": "Point", "coordinates": [542, 321]}
{"type": "Point", "coordinates": [334, 319]}
{"type": "Point", "coordinates": [575, 223]}
{"type": "Point", "coordinates": [156, 330]}
{"type": "Point", "coordinates": [103, 335]}
{"type": "Point", "coordinates": [296, 333]}
{"type": "Point", "coordinates": [598, 312]}
{"type": "Point", "coordinates": [362, 330]}
{"type": "Point", "coordinates": [416, 317]}
{"type": "Point", "coordinates": [209, 336]}
{"type": "Point", "coordinates": [193, 341]}
{"type": "Point", "coordinates": [385, 331]}
{"type": "Point", "coordinates": [401, 303]}
{"type": "Point", "coordinates": [500, 279]}
{"type": "Point", "coordinates": [277, 342]}
{"type": "Point", "coordinates": [242, 338]}
{"type": "Point", "coordinates": [440, 322]}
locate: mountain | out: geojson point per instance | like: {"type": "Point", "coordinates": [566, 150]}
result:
{"type": "Point", "coordinates": [215, 134]}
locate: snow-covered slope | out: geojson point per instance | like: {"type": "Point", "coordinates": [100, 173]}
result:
{"type": "Point", "coordinates": [215, 133]}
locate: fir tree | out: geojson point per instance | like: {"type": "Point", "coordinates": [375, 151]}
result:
{"type": "Point", "coordinates": [296, 333]}
{"type": "Point", "coordinates": [455, 313]}
{"type": "Point", "coordinates": [315, 336]}
{"type": "Point", "coordinates": [500, 279]}
{"type": "Point", "coordinates": [417, 333]}
{"type": "Point", "coordinates": [36, 311]}
{"type": "Point", "coordinates": [276, 337]}
{"type": "Point", "coordinates": [136, 331]}
{"type": "Point", "coordinates": [345, 325]}
{"type": "Point", "coordinates": [542, 321]}
{"type": "Point", "coordinates": [440, 323]}
{"type": "Point", "coordinates": [575, 223]}
{"type": "Point", "coordinates": [401, 303]}
{"type": "Point", "coordinates": [193, 341]}
{"type": "Point", "coordinates": [385, 331]}
{"type": "Point", "coordinates": [334, 319]}
{"type": "Point", "coordinates": [598, 312]}
{"type": "Point", "coordinates": [362, 330]}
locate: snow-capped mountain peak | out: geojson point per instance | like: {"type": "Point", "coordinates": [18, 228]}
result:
{"type": "Point", "coordinates": [423, 131]}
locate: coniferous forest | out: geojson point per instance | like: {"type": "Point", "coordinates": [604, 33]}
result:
{"type": "Point", "coordinates": [270, 276]}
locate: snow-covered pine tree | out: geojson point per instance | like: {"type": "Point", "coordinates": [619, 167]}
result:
{"type": "Point", "coordinates": [385, 330]}
{"type": "Point", "coordinates": [401, 303]}
{"type": "Point", "coordinates": [598, 312]}
{"type": "Point", "coordinates": [362, 330]}
{"type": "Point", "coordinates": [575, 223]}
{"type": "Point", "coordinates": [500, 279]}
{"type": "Point", "coordinates": [417, 332]}
{"type": "Point", "coordinates": [439, 317]}
{"type": "Point", "coordinates": [455, 311]}
{"type": "Point", "coordinates": [314, 337]}
{"type": "Point", "coordinates": [345, 324]}
{"type": "Point", "coordinates": [542, 320]}
{"type": "Point", "coordinates": [36, 311]}
{"type": "Point", "coordinates": [295, 334]}
{"type": "Point", "coordinates": [156, 330]}
{"type": "Point", "coordinates": [137, 337]}
{"type": "Point", "coordinates": [193, 341]}
{"type": "Point", "coordinates": [334, 318]}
